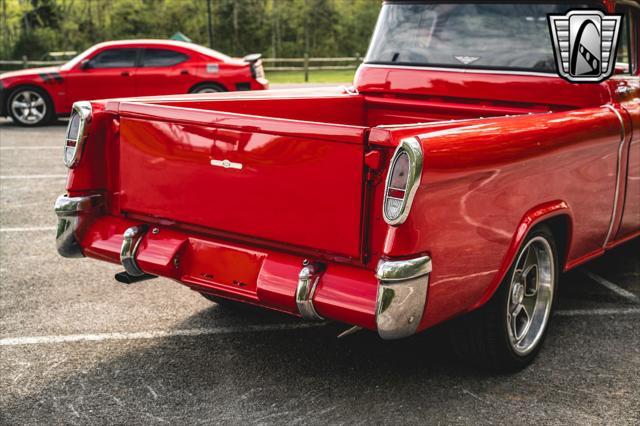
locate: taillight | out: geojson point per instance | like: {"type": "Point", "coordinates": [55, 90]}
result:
{"type": "Point", "coordinates": [77, 132]}
{"type": "Point", "coordinates": [257, 71]}
{"type": "Point", "coordinates": [402, 181]}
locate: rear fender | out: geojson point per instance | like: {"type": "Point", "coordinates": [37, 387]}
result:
{"type": "Point", "coordinates": [533, 217]}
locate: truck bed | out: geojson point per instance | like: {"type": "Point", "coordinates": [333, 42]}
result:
{"type": "Point", "coordinates": [282, 167]}
{"type": "Point", "coordinates": [338, 106]}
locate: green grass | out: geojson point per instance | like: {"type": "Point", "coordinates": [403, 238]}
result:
{"type": "Point", "coordinates": [323, 76]}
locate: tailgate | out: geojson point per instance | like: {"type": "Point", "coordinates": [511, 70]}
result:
{"type": "Point", "coordinates": [295, 183]}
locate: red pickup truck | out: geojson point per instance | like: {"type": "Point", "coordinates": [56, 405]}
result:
{"type": "Point", "coordinates": [437, 187]}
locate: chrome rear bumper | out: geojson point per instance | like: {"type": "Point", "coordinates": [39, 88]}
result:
{"type": "Point", "coordinates": [72, 214]}
{"type": "Point", "coordinates": [402, 295]}
{"type": "Point", "coordinates": [400, 301]}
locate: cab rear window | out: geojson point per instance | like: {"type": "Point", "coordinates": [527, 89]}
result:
{"type": "Point", "coordinates": [468, 35]}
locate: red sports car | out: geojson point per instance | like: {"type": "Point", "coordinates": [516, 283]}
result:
{"type": "Point", "coordinates": [122, 69]}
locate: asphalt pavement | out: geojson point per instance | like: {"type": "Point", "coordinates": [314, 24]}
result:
{"type": "Point", "coordinates": [78, 348]}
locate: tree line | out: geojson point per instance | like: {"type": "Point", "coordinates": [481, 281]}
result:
{"type": "Point", "coordinates": [275, 28]}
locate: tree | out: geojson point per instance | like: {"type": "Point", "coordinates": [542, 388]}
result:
{"type": "Point", "coordinates": [283, 28]}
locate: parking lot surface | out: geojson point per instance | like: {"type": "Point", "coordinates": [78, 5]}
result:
{"type": "Point", "coordinates": [78, 348]}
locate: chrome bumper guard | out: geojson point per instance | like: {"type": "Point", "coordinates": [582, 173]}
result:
{"type": "Point", "coordinates": [72, 213]}
{"type": "Point", "coordinates": [402, 295]}
{"type": "Point", "coordinates": [307, 282]}
{"type": "Point", "coordinates": [131, 240]}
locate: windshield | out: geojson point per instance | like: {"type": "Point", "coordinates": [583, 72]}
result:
{"type": "Point", "coordinates": [461, 35]}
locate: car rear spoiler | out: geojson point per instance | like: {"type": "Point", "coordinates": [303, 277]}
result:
{"type": "Point", "coordinates": [252, 58]}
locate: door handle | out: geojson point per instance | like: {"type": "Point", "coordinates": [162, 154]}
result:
{"type": "Point", "coordinates": [125, 73]}
{"type": "Point", "coordinates": [184, 72]}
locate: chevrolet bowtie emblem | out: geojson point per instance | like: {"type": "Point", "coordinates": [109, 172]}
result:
{"type": "Point", "coordinates": [585, 44]}
{"type": "Point", "coordinates": [226, 164]}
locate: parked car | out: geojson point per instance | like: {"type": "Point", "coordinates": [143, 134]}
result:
{"type": "Point", "coordinates": [427, 192]}
{"type": "Point", "coordinates": [123, 69]}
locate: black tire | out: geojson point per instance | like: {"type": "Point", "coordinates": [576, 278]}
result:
{"type": "Point", "coordinates": [207, 88]}
{"type": "Point", "coordinates": [482, 338]}
{"type": "Point", "coordinates": [49, 113]}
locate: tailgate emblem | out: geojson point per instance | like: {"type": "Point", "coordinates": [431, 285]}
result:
{"type": "Point", "coordinates": [226, 164]}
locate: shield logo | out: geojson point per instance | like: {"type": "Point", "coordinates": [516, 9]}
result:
{"type": "Point", "coordinates": [585, 43]}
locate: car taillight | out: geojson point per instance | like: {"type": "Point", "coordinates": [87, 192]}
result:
{"type": "Point", "coordinates": [260, 70]}
{"type": "Point", "coordinates": [77, 132]}
{"type": "Point", "coordinates": [403, 181]}
{"type": "Point", "coordinates": [257, 71]}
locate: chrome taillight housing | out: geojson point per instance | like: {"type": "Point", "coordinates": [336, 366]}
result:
{"type": "Point", "coordinates": [403, 181]}
{"type": "Point", "coordinates": [77, 132]}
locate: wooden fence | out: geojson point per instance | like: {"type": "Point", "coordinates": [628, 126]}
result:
{"type": "Point", "coordinates": [26, 63]}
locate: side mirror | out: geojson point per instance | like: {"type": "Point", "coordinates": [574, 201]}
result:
{"type": "Point", "coordinates": [85, 64]}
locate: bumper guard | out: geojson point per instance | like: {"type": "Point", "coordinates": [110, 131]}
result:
{"type": "Point", "coordinates": [72, 215]}
{"type": "Point", "coordinates": [130, 242]}
{"type": "Point", "coordinates": [402, 294]}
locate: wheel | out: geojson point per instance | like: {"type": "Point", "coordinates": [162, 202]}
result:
{"type": "Point", "coordinates": [507, 333]}
{"type": "Point", "coordinates": [207, 88]}
{"type": "Point", "coordinates": [30, 106]}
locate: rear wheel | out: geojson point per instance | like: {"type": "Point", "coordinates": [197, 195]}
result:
{"type": "Point", "coordinates": [30, 106]}
{"type": "Point", "coordinates": [507, 333]}
{"type": "Point", "coordinates": [207, 88]}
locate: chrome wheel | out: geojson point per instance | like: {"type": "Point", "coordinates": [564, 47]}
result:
{"type": "Point", "coordinates": [28, 107]}
{"type": "Point", "coordinates": [530, 295]}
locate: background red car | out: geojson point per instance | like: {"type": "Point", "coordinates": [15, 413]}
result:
{"type": "Point", "coordinates": [122, 69]}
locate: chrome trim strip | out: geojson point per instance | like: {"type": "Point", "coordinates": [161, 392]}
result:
{"type": "Point", "coordinates": [72, 213]}
{"type": "Point", "coordinates": [465, 70]}
{"type": "Point", "coordinates": [402, 270]}
{"type": "Point", "coordinates": [130, 243]}
{"type": "Point", "coordinates": [84, 110]}
{"type": "Point", "coordinates": [402, 296]}
{"type": "Point", "coordinates": [616, 197]}
{"type": "Point", "coordinates": [629, 3]}
{"type": "Point", "coordinates": [413, 148]}
{"type": "Point", "coordinates": [349, 90]}
{"type": "Point", "coordinates": [307, 282]}
{"type": "Point", "coordinates": [72, 206]}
